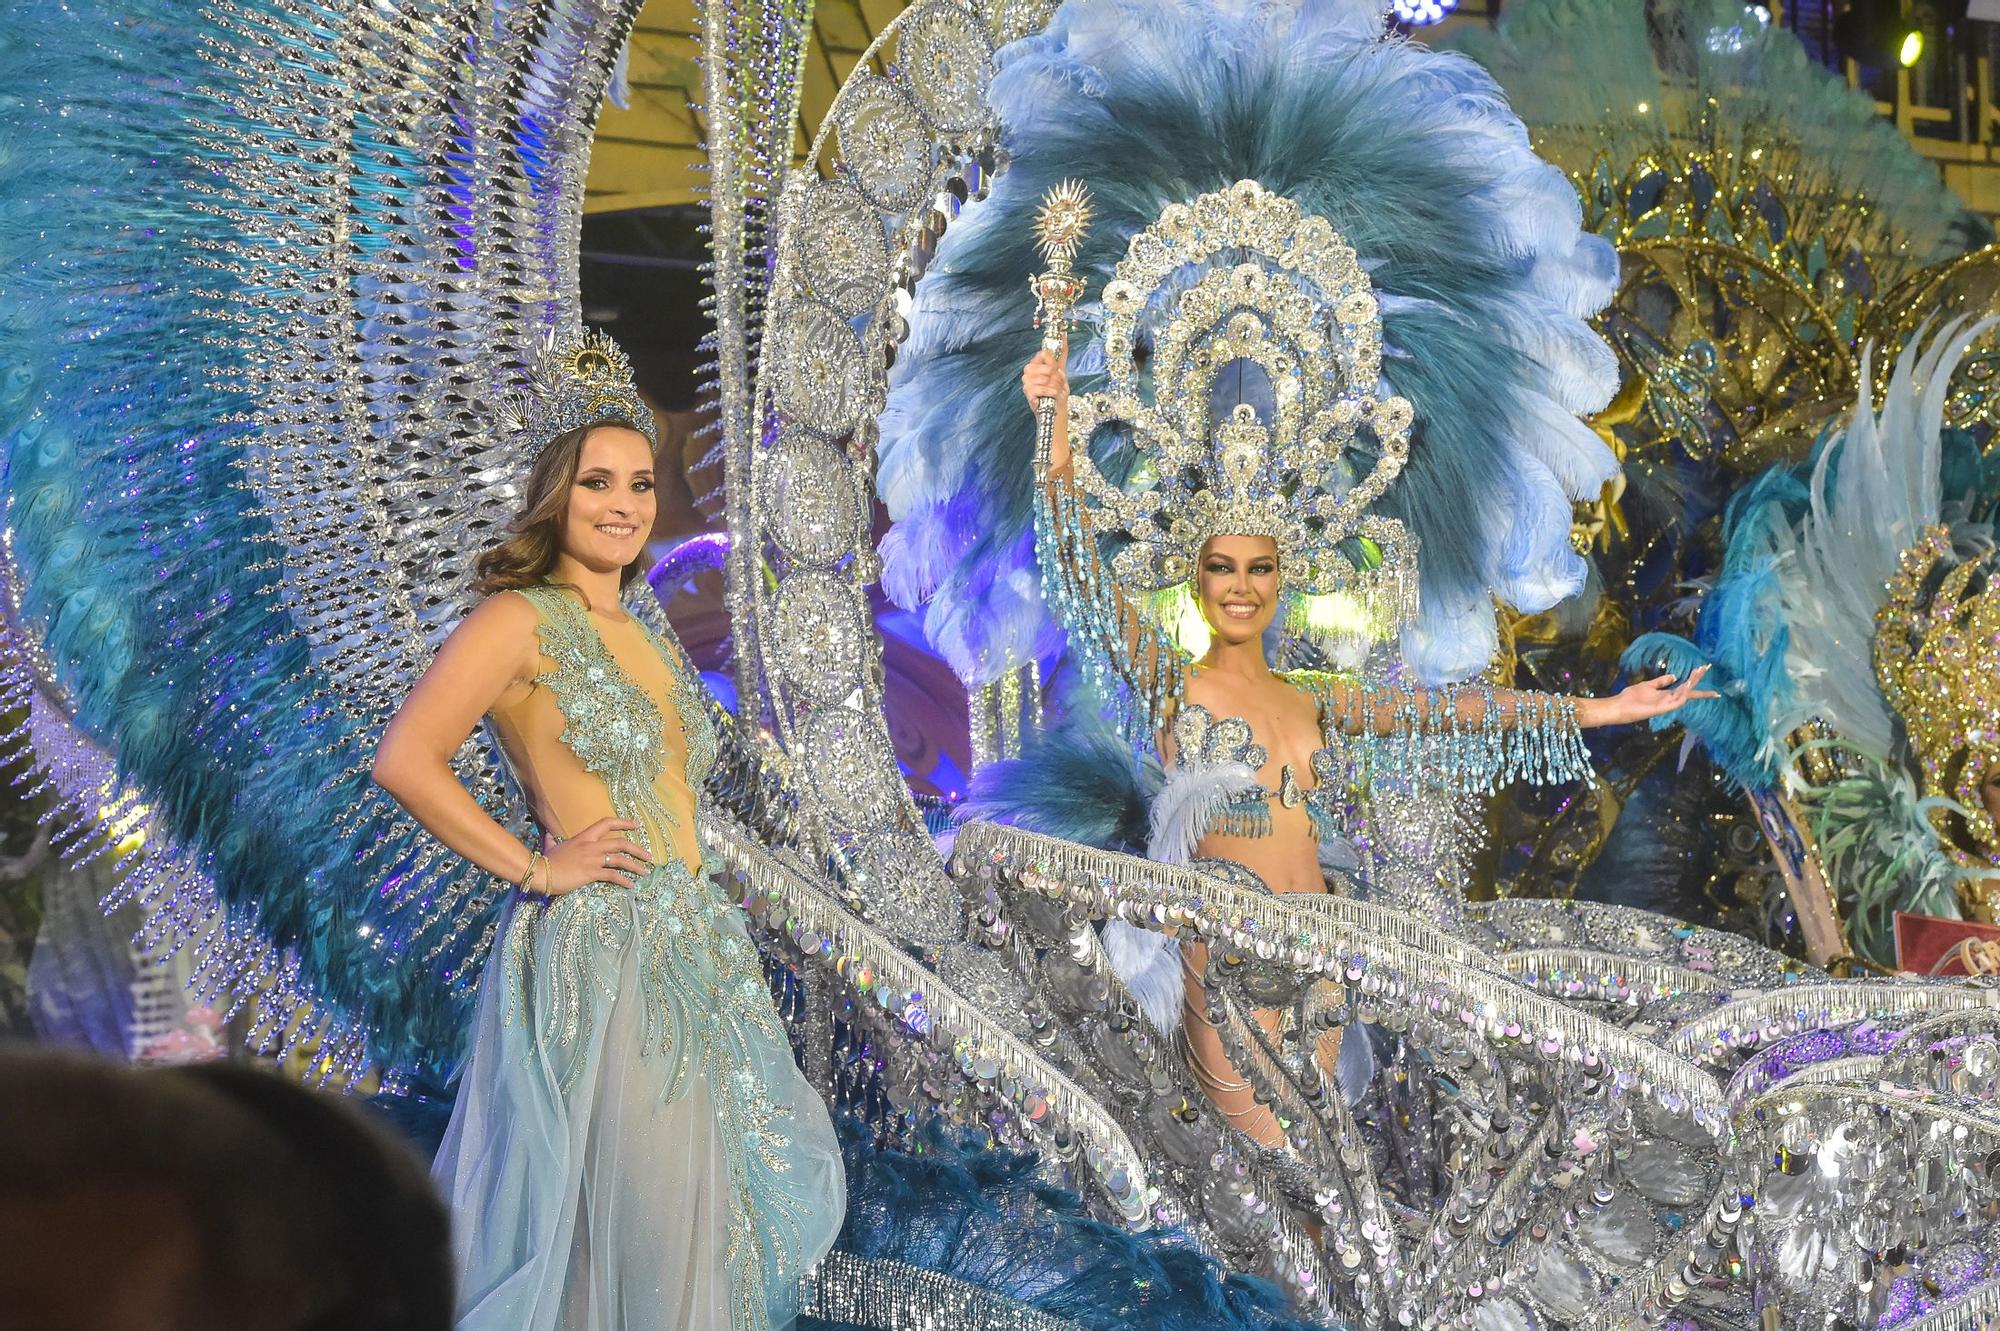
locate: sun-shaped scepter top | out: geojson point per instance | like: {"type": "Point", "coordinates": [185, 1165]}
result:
{"type": "Point", "coordinates": [1063, 222]}
{"type": "Point", "coordinates": [1060, 226]}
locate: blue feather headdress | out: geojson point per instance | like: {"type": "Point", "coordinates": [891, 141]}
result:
{"type": "Point", "coordinates": [1471, 242]}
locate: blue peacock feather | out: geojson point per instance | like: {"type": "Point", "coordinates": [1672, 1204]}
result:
{"type": "Point", "coordinates": [1077, 780]}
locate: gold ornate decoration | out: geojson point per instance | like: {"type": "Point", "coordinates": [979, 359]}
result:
{"type": "Point", "coordinates": [1968, 286]}
{"type": "Point", "coordinates": [1745, 304]}
{"type": "Point", "coordinates": [1937, 657]}
{"type": "Point", "coordinates": [1601, 522]}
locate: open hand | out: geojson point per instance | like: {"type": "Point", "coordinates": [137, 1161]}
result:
{"type": "Point", "coordinates": [601, 853]}
{"type": "Point", "coordinates": [1645, 700]}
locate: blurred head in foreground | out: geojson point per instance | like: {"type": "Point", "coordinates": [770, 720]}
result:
{"type": "Point", "coordinates": [206, 1199]}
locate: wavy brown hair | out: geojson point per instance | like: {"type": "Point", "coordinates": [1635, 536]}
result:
{"type": "Point", "coordinates": [534, 537]}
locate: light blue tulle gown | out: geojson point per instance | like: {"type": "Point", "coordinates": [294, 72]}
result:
{"type": "Point", "coordinates": [632, 1148]}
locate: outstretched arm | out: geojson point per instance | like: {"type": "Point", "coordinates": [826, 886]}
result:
{"type": "Point", "coordinates": [488, 658]}
{"type": "Point", "coordinates": [1477, 739]}
{"type": "Point", "coordinates": [1361, 710]}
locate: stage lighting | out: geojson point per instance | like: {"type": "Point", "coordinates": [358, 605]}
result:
{"type": "Point", "coordinates": [1421, 13]}
{"type": "Point", "coordinates": [1876, 32]}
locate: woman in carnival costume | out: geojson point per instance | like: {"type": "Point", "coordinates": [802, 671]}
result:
{"type": "Point", "coordinates": [1324, 262]}
{"type": "Point", "coordinates": [1258, 760]}
{"type": "Point", "coordinates": [632, 1145]}
{"type": "Point", "coordinates": [1561, 1162]}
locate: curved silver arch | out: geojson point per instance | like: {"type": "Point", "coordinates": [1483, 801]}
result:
{"type": "Point", "coordinates": [901, 154]}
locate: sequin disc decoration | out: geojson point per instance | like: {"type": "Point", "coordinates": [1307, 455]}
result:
{"type": "Point", "coordinates": [808, 498]}
{"type": "Point", "coordinates": [882, 144]}
{"type": "Point", "coordinates": [946, 55]}
{"type": "Point", "coordinates": [843, 255]}
{"type": "Point", "coordinates": [819, 372]}
{"type": "Point", "coordinates": [819, 636]}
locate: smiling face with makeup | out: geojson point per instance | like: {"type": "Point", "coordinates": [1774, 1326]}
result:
{"type": "Point", "coordinates": [589, 502]}
{"type": "Point", "coordinates": [1237, 586]}
{"type": "Point", "coordinates": [612, 500]}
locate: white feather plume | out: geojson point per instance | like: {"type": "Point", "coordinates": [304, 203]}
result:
{"type": "Point", "coordinates": [1149, 963]}
{"type": "Point", "coordinates": [1835, 566]}
{"type": "Point", "coordinates": [1189, 802]}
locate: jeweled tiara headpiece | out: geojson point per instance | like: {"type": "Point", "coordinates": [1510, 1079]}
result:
{"type": "Point", "coordinates": [1297, 312]}
{"type": "Point", "coordinates": [580, 378]}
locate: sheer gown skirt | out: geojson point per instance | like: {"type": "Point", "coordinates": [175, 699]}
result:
{"type": "Point", "coordinates": [633, 1148]}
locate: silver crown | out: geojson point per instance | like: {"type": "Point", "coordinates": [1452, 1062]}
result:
{"type": "Point", "coordinates": [1297, 307]}
{"type": "Point", "coordinates": [582, 378]}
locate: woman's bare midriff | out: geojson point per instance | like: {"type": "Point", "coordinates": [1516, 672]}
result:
{"type": "Point", "coordinates": [1288, 861]}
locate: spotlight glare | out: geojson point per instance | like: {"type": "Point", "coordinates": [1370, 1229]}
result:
{"type": "Point", "coordinates": [1421, 13]}
{"type": "Point", "coordinates": [1912, 49]}
{"type": "Point", "coordinates": [1180, 614]}
{"type": "Point", "coordinates": [1336, 612]}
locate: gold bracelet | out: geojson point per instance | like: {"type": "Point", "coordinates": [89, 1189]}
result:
{"type": "Point", "coordinates": [527, 883]}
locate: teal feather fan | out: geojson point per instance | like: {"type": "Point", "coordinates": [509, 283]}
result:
{"type": "Point", "coordinates": [248, 332]}
{"type": "Point", "coordinates": [1471, 241]}
{"type": "Point", "coordinates": [138, 562]}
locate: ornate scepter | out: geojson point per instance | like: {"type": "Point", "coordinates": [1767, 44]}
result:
{"type": "Point", "coordinates": [1060, 227]}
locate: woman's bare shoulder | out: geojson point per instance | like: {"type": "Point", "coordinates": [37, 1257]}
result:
{"type": "Point", "coordinates": [1206, 690]}
{"type": "Point", "coordinates": [501, 615]}
{"type": "Point", "coordinates": [502, 631]}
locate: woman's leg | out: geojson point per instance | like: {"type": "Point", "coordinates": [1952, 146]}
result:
{"type": "Point", "coordinates": [1218, 1078]}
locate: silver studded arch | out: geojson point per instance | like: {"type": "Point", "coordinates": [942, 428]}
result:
{"type": "Point", "coordinates": [898, 156]}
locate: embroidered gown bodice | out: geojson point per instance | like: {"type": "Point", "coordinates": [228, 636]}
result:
{"type": "Point", "coordinates": [612, 726]}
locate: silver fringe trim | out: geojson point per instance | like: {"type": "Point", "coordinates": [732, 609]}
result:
{"type": "Point", "coordinates": [1763, 1018]}
{"type": "Point", "coordinates": [984, 1050]}
{"type": "Point", "coordinates": [1390, 956]}
{"type": "Point", "coordinates": [1606, 975]}
{"type": "Point", "coordinates": [894, 1296]}
{"type": "Point", "coordinates": [1977, 1310]}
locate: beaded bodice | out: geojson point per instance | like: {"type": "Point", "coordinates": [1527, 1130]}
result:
{"type": "Point", "coordinates": [614, 725]}
{"type": "Point", "coordinates": [704, 1004]}
{"type": "Point", "coordinates": [1203, 742]}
